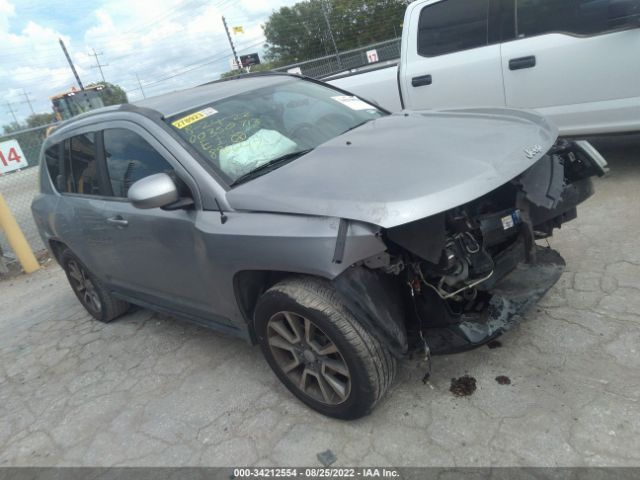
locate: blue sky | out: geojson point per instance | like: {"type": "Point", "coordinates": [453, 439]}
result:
{"type": "Point", "coordinates": [153, 39]}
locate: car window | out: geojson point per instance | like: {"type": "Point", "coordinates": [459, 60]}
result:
{"type": "Point", "coordinates": [452, 26]}
{"type": "Point", "coordinates": [245, 132]}
{"type": "Point", "coordinates": [81, 165]}
{"type": "Point", "coordinates": [130, 158]}
{"type": "Point", "coordinates": [52, 160]}
{"type": "Point", "coordinates": [579, 17]}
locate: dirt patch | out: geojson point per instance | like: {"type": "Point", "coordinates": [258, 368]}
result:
{"type": "Point", "coordinates": [494, 344]}
{"type": "Point", "coordinates": [502, 380]}
{"type": "Point", "coordinates": [463, 386]}
{"type": "Point", "coordinates": [15, 270]}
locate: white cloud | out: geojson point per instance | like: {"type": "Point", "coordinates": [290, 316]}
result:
{"type": "Point", "coordinates": [152, 38]}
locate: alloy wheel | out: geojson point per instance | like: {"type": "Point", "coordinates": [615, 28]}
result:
{"type": "Point", "coordinates": [84, 287]}
{"type": "Point", "coordinates": [309, 358]}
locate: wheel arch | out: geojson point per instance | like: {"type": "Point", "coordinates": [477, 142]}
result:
{"type": "Point", "coordinates": [56, 247]}
{"type": "Point", "coordinates": [372, 297]}
{"type": "Point", "coordinates": [248, 285]}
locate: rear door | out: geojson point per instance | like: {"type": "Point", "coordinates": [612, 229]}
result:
{"type": "Point", "coordinates": [576, 61]}
{"type": "Point", "coordinates": [78, 220]}
{"type": "Point", "coordinates": [455, 60]}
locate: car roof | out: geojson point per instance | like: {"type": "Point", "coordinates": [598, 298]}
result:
{"type": "Point", "coordinates": [173, 103]}
{"type": "Point", "coordinates": [170, 104]}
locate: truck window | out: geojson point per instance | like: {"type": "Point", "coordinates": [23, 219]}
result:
{"type": "Point", "coordinates": [576, 17]}
{"type": "Point", "coordinates": [453, 25]}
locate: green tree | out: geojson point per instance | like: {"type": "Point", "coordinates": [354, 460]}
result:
{"type": "Point", "coordinates": [38, 119]}
{"type": "Point", "coordinates": [263, 67]}
{"type": "Point", "coordinates": [112, 94]}
{"type": "Point", "coordinates": [12, 127]}
{"type": "Point", "coordinates": [32, 121]}
{"type": "Point", "coordinates": [300, 32]}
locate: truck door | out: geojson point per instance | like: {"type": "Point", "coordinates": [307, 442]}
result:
{"type": "Point", "coordinates": [451, 55]}
{"type": "Point", "coordinates": [576, 61]}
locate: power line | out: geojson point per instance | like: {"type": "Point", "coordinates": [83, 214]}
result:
{"type": "Point", "coordinates": [188, 68]}
{"type": "Point", "coordinates": [140, 84]}
{"type": "Point", "coordinates": [98, 65]}
{"type": "Point", "coordinates": [28, 101]}
{"type": "Point", "coordinates": [135, 30]}
{"type": "Point", "coordinates": [13, 114]}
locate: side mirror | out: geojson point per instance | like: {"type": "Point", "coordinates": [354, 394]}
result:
{"type": "Point", "coordinates": [154, 191]}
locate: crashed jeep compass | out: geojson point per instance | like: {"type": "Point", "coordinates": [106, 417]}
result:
{"type": "Point", "coordinates": [338, 236]}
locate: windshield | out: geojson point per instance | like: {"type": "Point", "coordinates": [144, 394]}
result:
{"type": "Point", "coordinates": [242, 133]}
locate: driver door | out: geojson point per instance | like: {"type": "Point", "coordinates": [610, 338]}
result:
{"type": "Point", "coordinates": [157, 255]}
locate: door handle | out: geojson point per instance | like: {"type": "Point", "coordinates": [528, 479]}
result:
{"type": "Point", "coordinates": [421, 81]}
{"type": "Point", "coordinates": [118, 221]}
{"type": "Point", "coordinates": [522, 62]}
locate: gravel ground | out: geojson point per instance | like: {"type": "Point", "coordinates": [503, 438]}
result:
{"type": "Point", "coordinates": [148, 390]}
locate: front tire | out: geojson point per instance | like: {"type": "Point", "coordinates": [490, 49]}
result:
{"type": "Point", "coordinates": [320, 351]}
{"type": "Point", "coordinates": [93, 295]}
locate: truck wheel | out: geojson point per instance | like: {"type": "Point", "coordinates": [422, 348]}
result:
{"type": "Point", "coordinates": [93, 296]}
{"type": "Point", "coordinates": [320, 351]}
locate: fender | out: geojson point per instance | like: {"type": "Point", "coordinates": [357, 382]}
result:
{"type": "Point", "coordinates": [374, 298]}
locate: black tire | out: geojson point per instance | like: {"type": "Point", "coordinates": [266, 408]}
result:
{"type": "Point", "coordinates": [371, 366]}
{"type": "Point", "coordinates": [100, 304]}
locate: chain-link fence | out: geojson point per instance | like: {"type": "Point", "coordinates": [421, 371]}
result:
{"type": "Point", "coordinates": [18, 187]}
{"type": "Point", "coordinates": [348, 60]}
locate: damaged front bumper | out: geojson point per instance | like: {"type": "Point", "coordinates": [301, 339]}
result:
{"type": "Point", "coordinates": [512, 296]}
{"type": "Point", "coordinates": [458, 279]}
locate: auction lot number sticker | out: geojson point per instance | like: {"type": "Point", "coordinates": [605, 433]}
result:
{"type": "Point", "coordinates": [318, 472]}
{"type": "Point", "coordinates": [11, 157]}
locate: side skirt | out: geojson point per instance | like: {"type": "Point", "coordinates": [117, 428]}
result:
{"type": "Point", "coordinates": [210, 324]}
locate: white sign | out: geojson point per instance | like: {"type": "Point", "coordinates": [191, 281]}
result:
{"type": "Point", "coordinates": [372, 56]}
{"type": "Point", "coordinates": [295, 71]}
{"type": "Point", "coordinates": [354, 103]}
{"type": "Point", "coordinates": [11, 157]}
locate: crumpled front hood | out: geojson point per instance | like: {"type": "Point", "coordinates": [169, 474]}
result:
{"type": "Point", "coordinates": [404, 167]}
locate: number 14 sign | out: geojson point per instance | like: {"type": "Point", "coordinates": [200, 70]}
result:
{"type": "Point", "coordinates": [11, 157]}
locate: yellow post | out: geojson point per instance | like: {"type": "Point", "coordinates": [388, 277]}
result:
{"type": "Point", "coordinates": [16, 239]}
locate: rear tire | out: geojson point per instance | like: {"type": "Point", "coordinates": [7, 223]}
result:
{"type": "Point", "coordinates": [303, 326]}
{"type": "Point", "coordinates": [93, 295]}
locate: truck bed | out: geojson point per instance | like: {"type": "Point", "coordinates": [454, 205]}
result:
{"type": "Point", "coordinates": [379, 83]}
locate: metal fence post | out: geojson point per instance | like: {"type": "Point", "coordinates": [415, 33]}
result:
{"type": "Point", "coordinates": [16, 238]}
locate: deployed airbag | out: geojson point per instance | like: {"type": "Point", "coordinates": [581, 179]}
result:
{"type": "Point", "coordinates": [259, 148]}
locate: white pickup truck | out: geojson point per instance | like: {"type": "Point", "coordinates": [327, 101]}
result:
{"type": "Point", "coordinates": [575, 61]}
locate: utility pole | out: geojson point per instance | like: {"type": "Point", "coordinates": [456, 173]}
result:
{"type": "Point", "coordinates": [28, 101]}
{"type": "Point", "coordinates": [98, 65]}
{"type": "Point", "coordinates": [141, 89]}
{"type": "Point", "coordinates": [73, 69]}
{"type": "Point", "coordinates": [13, 114]}
{"type": "Point", "coordinates": [233, 48]}
{"type": "Point", "coordinates": [333, 41]}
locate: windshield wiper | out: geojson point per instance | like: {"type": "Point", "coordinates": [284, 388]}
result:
{"type": "Point", "coordinates": [270, 165]}
{"type": "Point", "coordinates": [356, 126]}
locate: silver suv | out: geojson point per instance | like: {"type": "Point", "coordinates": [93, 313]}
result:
{"type": "Point", "coordinates": [339, 237]}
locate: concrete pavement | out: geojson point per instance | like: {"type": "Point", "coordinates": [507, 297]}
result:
{"type": "Point", "coordinates": [148, 390]}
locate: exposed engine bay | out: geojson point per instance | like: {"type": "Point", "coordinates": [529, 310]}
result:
{"type": "Point", "coordinates": [460, 278]}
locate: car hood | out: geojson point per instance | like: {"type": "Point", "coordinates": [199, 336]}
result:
{"type": "Point", "coordinates": [403, 167]}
